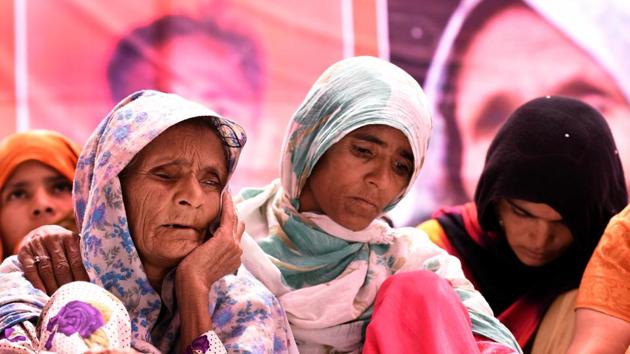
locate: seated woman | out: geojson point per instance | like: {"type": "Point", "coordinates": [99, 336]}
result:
{"type": "Point", "coordinates": [353, 148]}
{"type": "Point", "coordinates": [551, 181]}
{"type": "Point", "coordinates": [603, 303]}
{"type": "Point", "coordinates": [159, 234]}
{"type": "Point", "coordinates": [36, 173]}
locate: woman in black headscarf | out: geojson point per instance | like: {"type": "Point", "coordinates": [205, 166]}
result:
{"type": "Point", "coordinates": [552, 179]}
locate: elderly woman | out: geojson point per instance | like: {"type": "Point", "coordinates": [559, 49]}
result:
{"type": "Point", "coordinates": [159, 234]}
{"type": "Point", "coordinates": [352, 150]}
{"type": "Point", "coordinates": [36, 173]}
{"type": "Point", "coordinates": [551, 182]}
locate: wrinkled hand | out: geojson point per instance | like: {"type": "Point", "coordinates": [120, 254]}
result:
{"type": "Point", "coordinates": [218, 256]}
{"type": "Point", "coordinates": [51, 257]}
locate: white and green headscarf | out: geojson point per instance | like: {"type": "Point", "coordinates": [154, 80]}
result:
{"type": "Point", "coordinates": [327, 276]}
{"type": "Point", "coordinates": [349, 95]}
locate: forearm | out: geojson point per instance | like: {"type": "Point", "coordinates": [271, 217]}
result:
{"type": "Point", "coordinates": [596, 332]}
{"type": "Point", "coordinates": [192, 299]}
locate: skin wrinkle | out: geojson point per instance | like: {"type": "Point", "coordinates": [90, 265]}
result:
{"type": "Point", "coordinates": [185, 193]}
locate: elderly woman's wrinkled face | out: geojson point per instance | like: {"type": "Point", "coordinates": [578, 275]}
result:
{"type": "Point", "coordinates": [34, 195]}
{"type": "Point", "coordinates": [358, 177]}
{"type": "Point", "coordinates": [172, 192]}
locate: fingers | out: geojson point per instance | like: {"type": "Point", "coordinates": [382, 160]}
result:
{"type": "Point", "coordinates": [228, 215]}
{"type": "Point", "coordinates": [73, 252]}
{"type": "Point", "coordinates": [54, 245]}
{"type": "Point", "coordinates": [229, 211]}
{"type": "Point", "coordinates": [44, 266]}
{"type": "Point", "coordinates": [239, 231]}
{"type": "Point", "coordinates": [51, 258]}
{"type": "Point", "coordinates": [26, 258]}
{"type": "Point", "coordinates": [229, 219]}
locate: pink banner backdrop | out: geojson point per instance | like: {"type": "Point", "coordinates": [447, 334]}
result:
{"type": "Point", "coordinates": [64, 64]}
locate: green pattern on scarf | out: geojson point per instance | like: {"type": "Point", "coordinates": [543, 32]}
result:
{"type": "Point", "coordinates": [319, 257]}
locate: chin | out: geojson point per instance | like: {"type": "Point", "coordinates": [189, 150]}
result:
{"type": "Point", "coordinates": [533, 263]}
{"type": "Point", "coordinates": [352, 221]}
{"type": "Point", "coordinates": [355, 226]}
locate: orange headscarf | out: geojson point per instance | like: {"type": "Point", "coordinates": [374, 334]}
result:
{"type": "Point", "coordinates": [47, 147]}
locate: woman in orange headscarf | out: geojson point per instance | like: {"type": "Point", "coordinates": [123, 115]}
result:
{"type": "Point", "coordinates": [36, 173]}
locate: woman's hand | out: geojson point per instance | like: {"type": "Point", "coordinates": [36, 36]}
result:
{"type": "Point", "coordinates": [51, 257]}
{"type": "Point", "coordinates": [218, 256]}
{"type": "Point", "coordinates": [215, 258]}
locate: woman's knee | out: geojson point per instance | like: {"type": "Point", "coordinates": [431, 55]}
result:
{"type": "Point", "coordinates": [418, 284]}
{"type": "Point", "coordinates": [98, 317]}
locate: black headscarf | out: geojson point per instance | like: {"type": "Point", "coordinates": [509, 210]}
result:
{"type": "Point", "coordinates": [558, 151]}
{"type": "Point", "coordinates": [553, 150]}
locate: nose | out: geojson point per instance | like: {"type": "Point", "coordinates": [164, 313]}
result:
{"type": "Point", "coordinates": [541, 236]}
{"type": "Point", "coordinates": [378, 175]}
{"type": "Point", "coordinates": [189, 193]}
{"type": "Point", "coordinates": [42, 203]}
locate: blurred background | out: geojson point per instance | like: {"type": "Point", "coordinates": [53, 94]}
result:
{"type": "Point", "coordinates": [65, 63]}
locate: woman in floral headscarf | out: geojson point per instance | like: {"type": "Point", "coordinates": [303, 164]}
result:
{"type": "Point", "coordinates": [159, 234]}
{"type": "Point", "coordinates": [352, 150]}
{"type": "Point", "coordinates": [36, 173]}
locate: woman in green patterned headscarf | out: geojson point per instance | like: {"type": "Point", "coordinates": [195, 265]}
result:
{"type": "Point", "coordinates": [353, 149]}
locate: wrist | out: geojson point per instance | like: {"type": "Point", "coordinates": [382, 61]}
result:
{"type": "Point", "coordinates": [189, 281]}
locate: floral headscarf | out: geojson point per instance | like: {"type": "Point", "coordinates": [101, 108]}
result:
{"type": "Point", "coordinates": [327, 276]}
{"type": "Point", "coordinates": [108, 251]}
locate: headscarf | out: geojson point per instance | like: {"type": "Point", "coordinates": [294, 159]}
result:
{"type": "Point", "coordinates": [553, 150]}
{"type": "Point", "coordinates": [48, 147]}
{"type": "Point", "coordinates": [561, 152]}
{"type": "Point", "coordinates": [349, 95]}
{"type": "Point", "coordinates": [327, 276]}
{"type": "Point", "coordinates": [108, 251]}
{"type": "Point", "coordinates": [44, 146]}
{"type": "Point", "coordinates": [597, 27]}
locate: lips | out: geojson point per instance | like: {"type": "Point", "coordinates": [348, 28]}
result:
{"type": "Point", "coordinates": [176, 226]}
{"type": "Point", "coordinates": [534, 254]}
{"type": "Point", "coordinates": [365, 202]}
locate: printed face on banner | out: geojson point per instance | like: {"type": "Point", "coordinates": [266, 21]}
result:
{"type": "Point", "coordinates": [504, 66]}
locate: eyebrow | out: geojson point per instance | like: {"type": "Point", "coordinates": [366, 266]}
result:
{"type": "Point", "coordinates": [406, 154]}
{"type": "Point", "coordinates": [580, 87]}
